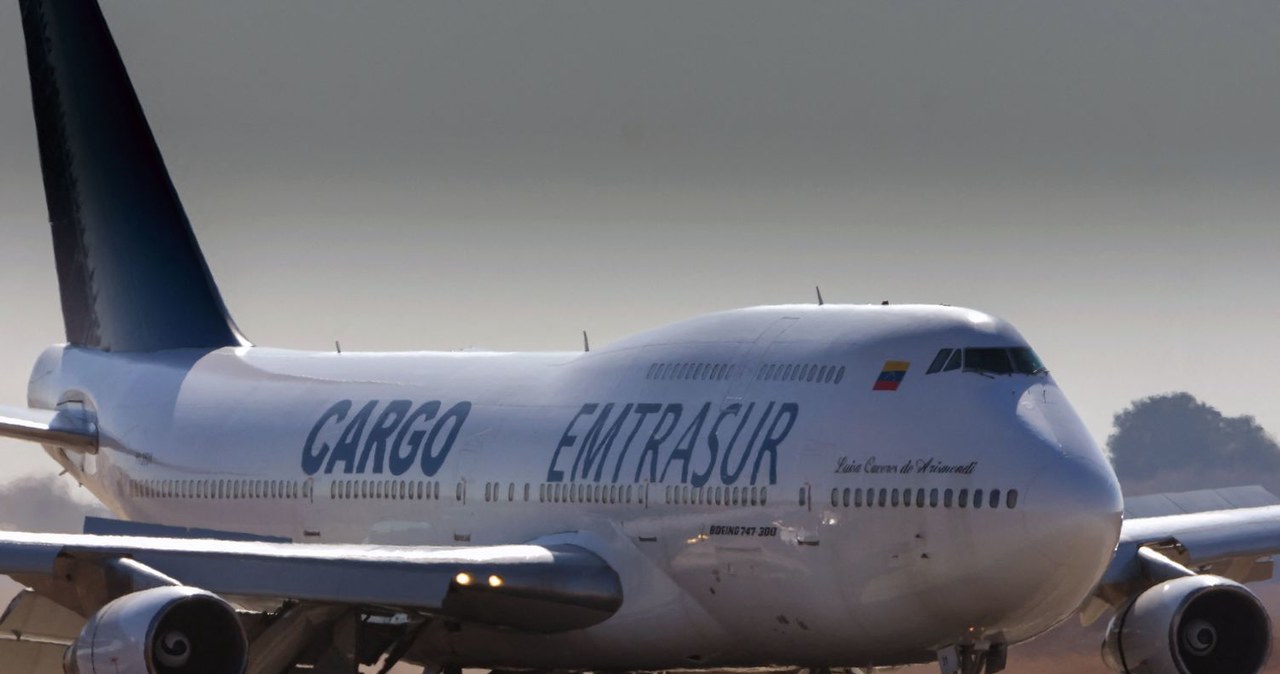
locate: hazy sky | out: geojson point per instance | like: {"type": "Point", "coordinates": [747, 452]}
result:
{"type": "Point", "coordinates": [410, 175]}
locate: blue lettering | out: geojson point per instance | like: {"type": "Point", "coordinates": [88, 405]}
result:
{"type": "Point", "coordinates": [772, 440]}
{"type": "Point", "coordinates": [659, 435]}
{"type": "Point", "coordinates": [567, 440]}
{"type": "Point", "coordinates": [643, 410]}
{"type": "Point", "coordinates": [400, 463]}
{"type": "Point", "coordinates": [376, 443]}
{"type": "Point", "coordinates": [713, 444]}
{"type": "Point", "coordinates": [431, 459]}
{"type": "Point", "coordinates": [312, 459]}
{"type": "Point", "coordinates": [728, 476]}
{"type": "Point", "coordinates": [345, 450]}
{"type": "Point", "coordinates": [684, 446]}
{"type": "Point", "coordinates": [595, 447]}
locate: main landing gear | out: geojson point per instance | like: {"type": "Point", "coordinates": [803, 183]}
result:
{"type": "Point", "coordinates": [983, 658]}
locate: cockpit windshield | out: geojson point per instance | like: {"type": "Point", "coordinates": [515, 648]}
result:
{"type": "Point", "coordinates": [988, 361]}
{"type": "Point", "coordinates": [1025, 361]}
{"type": "Point", "coordinates": [994, 361]}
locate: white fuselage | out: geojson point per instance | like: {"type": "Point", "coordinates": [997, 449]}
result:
{"type": "Point", "coordinates": [721, 449]}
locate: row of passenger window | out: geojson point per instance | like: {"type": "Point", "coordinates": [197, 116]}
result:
{"type": "Point", "coordinates": [560, 492]}
{"type": "Point", "coordinates": [721, 496]}
{"type": "Point", "coordinates": [921, 498]}
{"type": "Point", "coordinates": [690, 371]}
{"type": "Point", "coordinates": [394, 490]}
{"type": "Point", "coordinates": [219, 489]}
{"type": "Point", "coordinates": [818, 374]}
{"type": "Point", "coordinates": [563, 493]}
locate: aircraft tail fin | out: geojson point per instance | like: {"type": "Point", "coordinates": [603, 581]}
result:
{"type": "Point", "coordinates": [130, 273]}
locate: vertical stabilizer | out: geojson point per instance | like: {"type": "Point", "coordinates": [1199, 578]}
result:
{"type": "Point", "coordinates": [130, 273]}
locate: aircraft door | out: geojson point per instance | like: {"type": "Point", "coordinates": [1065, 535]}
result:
{"type": "Point", "coordinates": [310, 514]}
{"type": "Point", "coordinates": [645, 529]}
{"type": "Point", "coordinates": [464, 517]}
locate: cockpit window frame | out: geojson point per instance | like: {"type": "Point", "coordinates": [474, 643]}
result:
{"type": "Point", "coordinates": [983, 360]}
{"type": "Point", "coordinates": [1026, 360]}
{"type": "Point", "coordinates": [939, 360]}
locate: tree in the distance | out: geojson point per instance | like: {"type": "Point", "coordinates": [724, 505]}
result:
{"type": "Point", "coordinates": [1173, 442]}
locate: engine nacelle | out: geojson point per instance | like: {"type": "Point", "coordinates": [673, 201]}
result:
{"type": "Point", "coordinates": [1191, 625]}
{"type": "Point", "coordinates": [164, 630]}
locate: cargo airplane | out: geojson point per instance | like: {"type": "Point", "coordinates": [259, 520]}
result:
{"type": "Point", "coordinates": [771, 488]}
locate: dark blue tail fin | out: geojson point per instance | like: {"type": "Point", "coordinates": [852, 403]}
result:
{"type": "Point", "coordinates": [131, 275]}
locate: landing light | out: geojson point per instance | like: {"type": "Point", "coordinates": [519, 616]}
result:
{"type": "Point", "coordinates": [463, 578]}
{"type": "Point", "coordinates": [495, 581]}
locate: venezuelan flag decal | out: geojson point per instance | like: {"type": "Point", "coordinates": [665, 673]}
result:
{"type": "Point", "coordinates": [893, 373]}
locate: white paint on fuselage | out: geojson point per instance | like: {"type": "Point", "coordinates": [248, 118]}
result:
{"type": "Point", "coordinates": [780, 582]}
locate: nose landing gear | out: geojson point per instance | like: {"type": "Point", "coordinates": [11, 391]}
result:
{"type": "Point", "coordinates": [981, 658]}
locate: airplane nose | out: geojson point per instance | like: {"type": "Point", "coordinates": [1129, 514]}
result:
{"type": "Point", "coordinates": [1077, 503]}
{"type": "Point", "coordinates": [1073, 517]}
{"type": "Point", "coordinates": [1071, 525]}
{"type": "Point", "coordinates": [1073, 504]}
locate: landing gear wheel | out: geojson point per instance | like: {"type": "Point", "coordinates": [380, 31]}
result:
{"type": "Point", "coordinates": [972, 659]}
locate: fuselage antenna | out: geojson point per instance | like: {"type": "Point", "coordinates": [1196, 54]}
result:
{"type": "Point", "coordinates": [586, 344]}
{"type": "Point", "coordinates": [819, 291]}
{"type": "Point", "coordinates": [337, 346]}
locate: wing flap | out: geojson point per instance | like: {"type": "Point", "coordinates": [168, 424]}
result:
{"type": "Point", "coordinates": [34, 634]}
{"type": "Point", "coordinates": [530, 587]}
{"type": "Point", "coordinates": [31, 617]}
{"type": "Point", "coordinates": [31, 657]}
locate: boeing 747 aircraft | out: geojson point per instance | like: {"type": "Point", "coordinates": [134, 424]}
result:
{"type": "Point", "coordinates": [771, 488]}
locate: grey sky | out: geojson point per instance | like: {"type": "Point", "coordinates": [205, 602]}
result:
{"type": "Point", "coordinates": [405, 175]}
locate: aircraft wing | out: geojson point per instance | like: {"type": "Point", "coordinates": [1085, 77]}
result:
{"type": "Point", "coordinates": [1231, 533]}
{"type": "Point", "coordinates": [542, 588]}
{"type": "Point", "coordinates": [1242, 537]}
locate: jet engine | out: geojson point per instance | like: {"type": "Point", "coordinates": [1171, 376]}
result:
{"type": "Point", "coordinates": [1190, 625]}
{"type": "Point", "coordinates": [164, 630]}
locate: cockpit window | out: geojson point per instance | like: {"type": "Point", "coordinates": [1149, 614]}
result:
{"type": "Point", "coordinates": [939, 361]}
{"type": "Point", "coordinates": [993, 361]}
{"type": "Point", "coordinates": [988, 361]}
{"type": "Point", "coordinates": [1026, 361]}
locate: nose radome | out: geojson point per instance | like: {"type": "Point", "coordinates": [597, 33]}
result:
{"type": "Point", "coordinates": [1071, 493]}
{"type": "Point", "coordinates": [1072, 521]}
{"type": "Point", "coordinates": [1074, 504]}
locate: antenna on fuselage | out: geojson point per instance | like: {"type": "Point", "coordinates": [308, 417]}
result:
{"type": "Point", "coordinates": [819, 291]}
{"type": "Point", "coordinates": [337, 346]}
{"type": "Point", "coordinates": [586, 344]}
